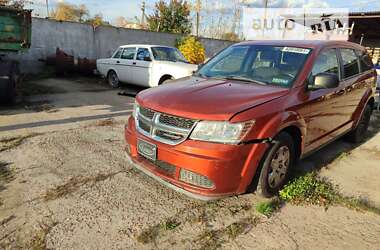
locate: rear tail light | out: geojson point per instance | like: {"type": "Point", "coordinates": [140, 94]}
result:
{"type": "Point", "coordinates": [195, 179]}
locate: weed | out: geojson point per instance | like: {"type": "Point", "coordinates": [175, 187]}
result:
{"type": "Point", "coordinates": [309, 189]}
{"type": "Point", "coordinates": [267, 208]}
{"type": "Point", "coordinates": [38, 241]}
{"type": "Point", "coordinates": [237, 208]}
{"type": "Point", "coordinates": [74, 184]}
{"type": "Point", "coordinates": [170, 224]}
{"type": "Point", "coordinates": [209, 240]}
{"type": "Point", "coordinates": [151, 233]}
{"type": "Point", "coordinates": [213, 239]}
{"type": "Point", "coordinates": [240, 227]}
{"type": "Point", "coordinates": [343, 155]}
{"type": "Point", "coordinates": [312, 189]}
{"type": "Point", "coordinates": [12, 142]}
{"type": "Point", "coordinates": [106, 122]}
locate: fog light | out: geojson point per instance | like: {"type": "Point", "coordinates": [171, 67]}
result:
{"type": "Point", "coordinates": [128, 149]}
{"type": "Point", "coordinates": [195, 179]}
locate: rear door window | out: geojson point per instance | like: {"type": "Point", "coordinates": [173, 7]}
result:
{"type": "Point", "coordinates": [365, 61]}
{"type": "Point", "coordinates": [326, 62]}
{"type": "Point", "coordinates": [142, 53]}
{"type": "Point", "coordinates": [350, 63]}
{"type": "Point", "coordinates": [128, 53]}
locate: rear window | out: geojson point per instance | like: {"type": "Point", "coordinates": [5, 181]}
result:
{"type": "Point", "coordinates": [365, 61]}
{"type": "Point", "coordinates": [350, 62]}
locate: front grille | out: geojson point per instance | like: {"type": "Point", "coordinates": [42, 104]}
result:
{"type": "Point", "coordinates": [168, 135]}
{"type": "Point", "coordinates": [176, 121]}
{"type": "Point", "coordinates": [147, 113]}
{"type": "Point", "coordinates": [164, 128]}
{"type": "Point", "coordinates": [163, 166]}
{"type": "Point", "coordinates": [144, 126]}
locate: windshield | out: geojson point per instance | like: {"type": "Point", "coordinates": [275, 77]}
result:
{"type": "Point", "coordinates": [257, 63]}
{"type": "Point", "coordinates": [168, 54]}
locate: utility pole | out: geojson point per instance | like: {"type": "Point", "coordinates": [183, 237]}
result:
{"type": "Point", "coordinates": [198, 10]}
{"type": "Point", "coordinates": [265, 16]}
{"type": "Point", "coordinates": [47, 8]}
{"type": "Point", "coordinates": [142, 21]}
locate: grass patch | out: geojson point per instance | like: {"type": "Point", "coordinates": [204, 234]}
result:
{"type": "Point", "coordinates": [151, 234]}
{"type": "Point", "coordinates": [213, 239]}
{"type": "Point", "coordinates": [106, 122]}
{"type": "Point", "coordinates": [12, 142]}
{"type": "Point", "coordinates": [74, 184]}
{"type": "Point", "coordinates": [38, 242]}
{"type": "Point", "coordinates": [267, 208]}
{"type": "Point", "coordinates": [312, 189]}
{"type": "Point", "coordinates": [240, 227]}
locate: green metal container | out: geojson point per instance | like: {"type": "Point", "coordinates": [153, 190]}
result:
{"type": "Point", "coordinates": [15, 29]}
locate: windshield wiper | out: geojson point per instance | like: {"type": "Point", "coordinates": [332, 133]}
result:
{"type": "Point", "coordinates": [243, 79]}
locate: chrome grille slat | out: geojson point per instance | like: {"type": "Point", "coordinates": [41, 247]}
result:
{"type": "Point", "coordinates": [162, 127]}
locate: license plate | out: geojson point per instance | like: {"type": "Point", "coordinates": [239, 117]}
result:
{"type": "Point", "coordinates": [147, 149]}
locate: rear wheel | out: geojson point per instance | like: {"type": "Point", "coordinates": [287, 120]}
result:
{"type": "Point", "coordinates": [276, 165]}
{"type": "Point", "coordinates": [358, 134]}
{"type": "Point", "coordinates": [113, 79]}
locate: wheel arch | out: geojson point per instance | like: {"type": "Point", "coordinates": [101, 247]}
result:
{"type": "Point", "coordinates": [164, 78]}
{"type": "Point", "coordinates": [292, 124]}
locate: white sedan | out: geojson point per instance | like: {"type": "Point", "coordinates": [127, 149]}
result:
{"type": "Point", "coordinates": [144, 65]}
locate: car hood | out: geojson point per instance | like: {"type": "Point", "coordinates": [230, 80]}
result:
{"type": "Point", "coordinates": [207, 99]}
{"type": "Point", "coordinates": [188, 66]}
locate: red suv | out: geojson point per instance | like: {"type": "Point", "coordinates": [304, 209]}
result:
{"type": "Point", "coordinates": [249, 114]}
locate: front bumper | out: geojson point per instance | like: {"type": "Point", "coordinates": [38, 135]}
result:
{"type": "Point", "coordinates": [230, 167]}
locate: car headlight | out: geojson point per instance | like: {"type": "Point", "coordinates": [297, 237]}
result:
{"type": "Point", "coordinates": [135, 109]}
{"type": "Point", "coordinates": [221, 132]}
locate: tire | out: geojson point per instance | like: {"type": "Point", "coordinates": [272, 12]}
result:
{"type": "Point", "coordinates": [113, 79]}
{"type": "Point", "coordinates": [358, 134]}
{"type": "Point", "coordinates": [276, 165]}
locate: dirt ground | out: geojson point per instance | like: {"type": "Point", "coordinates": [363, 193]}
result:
{"type": "Point", "coordinates": [65, 183]}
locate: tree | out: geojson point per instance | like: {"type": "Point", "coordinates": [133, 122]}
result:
{"type": "Point", "coordinates": [97, 20]}
{"type": "Point", "coordinates": [192, 49]}
{"type": "Point", "coordinates": [13, 3]}
{"type": "Point", "coordinates": [82, 12]}
{"type": "Point", "coordinates": [70, 12]}
{"type": "Point", "coordinates": [171, 17]}
{"type": "Point", "coordinates": [230, 36]}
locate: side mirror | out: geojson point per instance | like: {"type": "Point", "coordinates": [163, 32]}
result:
{"type": "Point", "coordinates": [147, 59]}
{"type": "Point", "coordinates": [324, 81]}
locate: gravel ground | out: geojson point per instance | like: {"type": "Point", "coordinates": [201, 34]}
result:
{"type": "Point", "coordinates": [71, 187]}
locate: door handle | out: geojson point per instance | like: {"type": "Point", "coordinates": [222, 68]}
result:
{"type": "Point", "coordinates": [117, 61]}
{"type": "Point", "coordinates": [134, 63]}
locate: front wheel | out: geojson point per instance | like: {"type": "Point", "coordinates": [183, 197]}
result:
{"type": "Point", "coordinates": [113, 79]}
{"type": "Point", "coordinates": [276, 165]}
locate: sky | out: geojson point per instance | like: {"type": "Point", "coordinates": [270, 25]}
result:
{"type": "Point", "coordinates": [111, 9]}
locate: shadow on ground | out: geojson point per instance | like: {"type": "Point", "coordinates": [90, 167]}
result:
{"type": "Point", "coordinates": [336, 149]}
